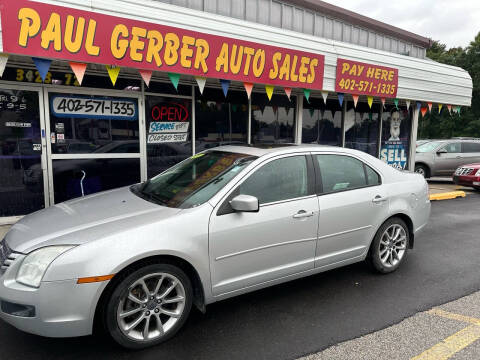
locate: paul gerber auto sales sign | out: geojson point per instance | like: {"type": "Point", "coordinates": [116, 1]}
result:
{"type": "Point", "coordinates": [42, 30]}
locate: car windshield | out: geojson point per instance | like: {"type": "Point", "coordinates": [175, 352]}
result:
{"type": "Point", "coordinates": [428, 147]}
{"type": "Point", "coordinates": [193, 181]}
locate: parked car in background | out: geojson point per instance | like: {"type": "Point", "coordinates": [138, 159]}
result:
{"type": "Point", "coordinates": [223, 222]}
{"type": "Point", "coordinates": [443, 157]}
{"type": "Point", "coordinates": [421, 142]}
{"type": "Point", "coordinates": [468, 175]}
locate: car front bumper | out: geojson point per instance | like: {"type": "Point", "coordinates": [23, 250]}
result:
{"type": "Point", "coordinates": [469, 180]}
{"type": "Point", "coordinates": [60, 308]}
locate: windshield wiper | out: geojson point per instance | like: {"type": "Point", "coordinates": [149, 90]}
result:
{"type": "Point", "coordinates": [156, 199]}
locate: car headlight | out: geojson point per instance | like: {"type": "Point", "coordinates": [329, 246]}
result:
{"type": "Point", "coordinates": [36, 264]}
{"type": "Point", "coordinates": [477, 173]}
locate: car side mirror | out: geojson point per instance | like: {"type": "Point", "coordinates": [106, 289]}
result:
{"type": "Point", "coordinates": [441, 151]}
{"type": "Point", "coordinates": [245, 203]}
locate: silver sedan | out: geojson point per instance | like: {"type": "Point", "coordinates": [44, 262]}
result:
{"type": "Point", "coordinates": [222, 223]}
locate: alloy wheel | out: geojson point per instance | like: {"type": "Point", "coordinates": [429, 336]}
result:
{"type": "Point", "coordinates": [151, 306]}
{"type": "Point", "coordinates": [393, 245]}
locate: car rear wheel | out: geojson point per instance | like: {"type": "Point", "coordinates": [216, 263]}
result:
{"type": "Point", "coordinates": [390, 245]}
{"type": "Point", "coordinates": [149, 306]}
{"type": "Point", "coordinates": [422, 170]}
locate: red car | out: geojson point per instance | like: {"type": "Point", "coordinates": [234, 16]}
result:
{"type": "Point", "coordinates": [468, 175]}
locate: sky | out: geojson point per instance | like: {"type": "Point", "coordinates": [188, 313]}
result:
{"type": "Point", "coordinates": [452, 22]}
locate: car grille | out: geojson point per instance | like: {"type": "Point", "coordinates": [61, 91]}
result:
{"type": "Point", "coordinates": [7, 256]}
{"type": "Point", "coordinates": [463, 171]}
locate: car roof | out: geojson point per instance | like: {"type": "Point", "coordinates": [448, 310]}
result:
{"type": "Point", "coordinates": [270, 149]}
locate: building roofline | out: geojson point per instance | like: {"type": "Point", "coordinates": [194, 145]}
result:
{"type": "Point", "coordinates": [363, 21]}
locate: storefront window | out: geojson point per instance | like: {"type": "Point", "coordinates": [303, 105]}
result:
{"type": "Point", "coordinates": [21, 180]}
{"type": "Point", "coordinates": [82, 124]}
{"type": "Point", "coordinates": [220, 120]}
{"type": "Point", "coordinates": [273, 121]}
{"type": "Point", "coordinates": [396, 128]}
{"type": "Point", "coordinates": [361, 127]}
{"type": "Point", "coordinates": [169, 129]}
{"type": "Point", "coordinates": [81, 177]}
{"type": "Point", "coordinates": [322, 124]}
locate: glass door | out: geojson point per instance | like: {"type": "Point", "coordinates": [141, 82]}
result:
{"type": "Point", "coordinates": [94, 142]}
{"type": "Point", "coordinates": [22, 151]}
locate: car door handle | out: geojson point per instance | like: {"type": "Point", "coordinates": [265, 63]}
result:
{"type": "Point", "coordinates": [302, 214]}
{"type": "Point", "coordinates": [379, 199]}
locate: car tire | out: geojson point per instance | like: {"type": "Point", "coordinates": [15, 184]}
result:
{"type": "Point", "coordinates": [389, 249]}
{"type": "Point", "coordinates": [422, 170]}
{"type": "Point", "coordinates": [136, 321]}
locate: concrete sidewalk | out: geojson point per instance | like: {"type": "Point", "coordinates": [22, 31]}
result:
{"type": "Point", "coordinates": [449, 331]}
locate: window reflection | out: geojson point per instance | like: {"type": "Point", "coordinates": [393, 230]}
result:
{"type": "Point", "coordinates": [220, 120]}
{"type": "Point", "coordinates": [361, 127]}
{"type": "Point", "coordinates": [322, 124]}
{"type": "Point", "coordinates": [273, 121]}
{"type": "Point", "coordinates": [74, 178]}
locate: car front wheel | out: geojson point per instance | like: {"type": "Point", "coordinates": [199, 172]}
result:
{"type": "Point", "coordinates": [422, 170]}
{"type": "Point", "coordinates": [149, 306]}
{"type": "Point", "coordinates": [390, 245]}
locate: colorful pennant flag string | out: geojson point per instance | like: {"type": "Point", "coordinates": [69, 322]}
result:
{"type": "Point", "coordinates": [370, 101]}
{"type": "Point", "coordinates": [269, 91]}
{"type": "Point", "coordinates": [225, 86]}
{"type": "Point", "coordinates": [307, 93]}
{"type": "Point", "coordinates": [423, 110]}
{"type": "Point", "coordinates": [79, 70]}
{"type": "Point", "coordinates": [325, 96]}
{"type": "Point", "coordinates": [395, 101]}
{"type": "Point", "coordinates": [288, 91]}
{"type": "Point", "coordinates": [340, 98]}
{"type": "Point", "coordinates": [449, 107]}
{"type": "Point", "coordinates": [42, 65]}
{"type": "Point", "coordinates": [383, 100]}
{"type": "Point", "coordinates": [408, 104]}
{"type": "Point", "coordinates": [440, 108]}
{"type": "Point", "coordinates": [3, 63]}
{"type": "Point", "coordinates": [113, 72]}
{"type": "Point", "coordinates": [248, 88]}
{"type": "Point", "coordinates": [201, 81]}
{"type": "Point", "coordinates": [355, 100]}
{"type": "Point", "coordinates": [419, 105]}
{"type": "Point", "coordinates": [175, 79]}
{"type": "Point", "coordinates": [458, 109]}
{"type": "Point", "coordinates": [146, 76]}
{"type": "Point", "coordinates": [429, 104]}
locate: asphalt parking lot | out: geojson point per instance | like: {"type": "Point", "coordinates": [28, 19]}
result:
{"type": "Point", "coordinates": [309, 315]}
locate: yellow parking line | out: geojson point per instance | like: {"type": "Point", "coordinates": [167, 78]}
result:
{"type": "Point", "coordinates": [451, 345]}
{"type": "Point", "coordinates": [454, 343]}
{"type": "Point", "coordinates": [453, 316]}
{"type": "Point", "coordinates": [447, 195]}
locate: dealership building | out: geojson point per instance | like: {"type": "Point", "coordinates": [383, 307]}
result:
{"type": "Point", "coordinates": [101, 94]}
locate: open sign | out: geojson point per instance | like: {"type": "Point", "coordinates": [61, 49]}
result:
{"type": "Point", "coordinates": [170, 112]}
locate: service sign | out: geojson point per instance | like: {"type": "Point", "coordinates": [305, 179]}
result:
{"type": "Point", "coordinates": [359, 78]}
{"type": "Point", "coordinates": [42, 30]}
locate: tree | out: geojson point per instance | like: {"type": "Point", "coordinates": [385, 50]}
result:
{"type": "Point", "coordinates": [467, 123]}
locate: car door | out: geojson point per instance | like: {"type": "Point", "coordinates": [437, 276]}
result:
{"type": "Point", "coordinates": [352, 202]}
{"type": "Point", "coordinates": [448, 158]}
{"type": "Point", "coordinates": [470, 152]}
{"type": "Point", "coordinates": [279, 240]}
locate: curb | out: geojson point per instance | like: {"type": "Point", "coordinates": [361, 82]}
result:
{"type": "Point", "coordinates": [448, 195]}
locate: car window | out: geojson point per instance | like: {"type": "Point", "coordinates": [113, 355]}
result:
{"type": "Point", "coordinates": [453, 147]}
{"type": "Point", "coordinates": [372, 176]}
{"type": "Point", "coordinates": [278, 180]}
{"type": "Point", "coordinates": [428, 147]}
{"type": "Point", "coordinates": [340, 172]}
{"type": "Point", "coordinates": [471, 147]}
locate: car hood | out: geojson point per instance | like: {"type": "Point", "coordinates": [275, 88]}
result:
{"type": "Point", "coordinates": [79, 221]}
{"type": "Point", "coordinates": [472, 166]}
